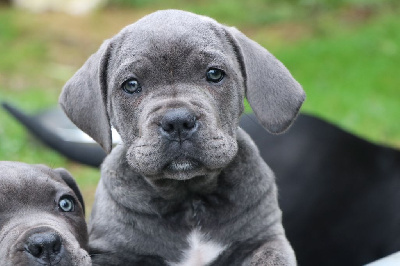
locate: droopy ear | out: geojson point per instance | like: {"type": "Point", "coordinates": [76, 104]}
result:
{"type": "Point", "coordinates": [274, 95]}
{"type": "Point", "coordinates": [84, 98]}
{"type": "Point", "coordinates": [70, 181]}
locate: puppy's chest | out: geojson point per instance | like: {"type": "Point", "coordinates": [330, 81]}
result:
{"type": "Point", "coordinates": [201, 250]}
{"type": "Point", "coordinates": [195, 212]}
{"type": "Point", "coordinates": [198, 216]}
{"type": "Point", "coordinates": [192, 212]}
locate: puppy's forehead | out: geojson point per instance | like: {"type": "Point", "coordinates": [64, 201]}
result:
{"type": "Point", "coordinates": [163, 31]}
{"type": "Point", "coordinates": [170, 25]}
{"type": "Point", "coordinates": [167, 44]}
{"type": "Point", "coordinates": [15, 174]}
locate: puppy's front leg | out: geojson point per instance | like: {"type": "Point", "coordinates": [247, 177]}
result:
{"type": "Point", "coordinates": [272, 253]}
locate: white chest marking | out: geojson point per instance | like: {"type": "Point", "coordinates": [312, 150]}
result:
{"type": "Point", "coordinates": [201, 251]}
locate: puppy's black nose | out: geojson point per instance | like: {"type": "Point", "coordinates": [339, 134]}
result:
{"type": "Point", "coordinates": [44, 246]}
{"type": "Point", "coordinates": [178, 124]}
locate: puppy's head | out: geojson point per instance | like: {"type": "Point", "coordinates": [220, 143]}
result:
{"type": "Point", "coordinates": [173, 86]}
{"type": "Point", "coordinates": [41, 217]}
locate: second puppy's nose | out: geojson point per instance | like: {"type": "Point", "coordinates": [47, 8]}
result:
{"type": "Point", "coordinates": [178, 124]}
{"type": "Point", "coordinates": [44, 247]}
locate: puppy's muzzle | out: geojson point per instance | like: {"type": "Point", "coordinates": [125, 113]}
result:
{"type": "Point", "coordinates": [44, 247]}
{"type": "Point", "coordinates": [179, 124]}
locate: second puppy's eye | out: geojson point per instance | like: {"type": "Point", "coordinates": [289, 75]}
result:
{"type": "Point", "coordinates": [66, 204]}
{"type": "Point", "coordinates": [131, 86]}
{"type": "Point", "coordinates": [215, 75]}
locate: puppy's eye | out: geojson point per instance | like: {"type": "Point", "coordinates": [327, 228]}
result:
{"type": "Point", "coordinates": [215, 75]}
{"type": "Point", "coordinates": [66, 204]}
{"type": "Point", "coordinates": [131, 86]}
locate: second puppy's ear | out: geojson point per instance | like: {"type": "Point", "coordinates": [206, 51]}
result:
{"type": "Point", "coordinates": [84, 97]}
{"type": "Point", "coordinates": [274, 95]}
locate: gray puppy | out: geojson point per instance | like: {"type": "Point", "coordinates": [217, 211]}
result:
{"type": "Point", "coordinates": [187, 186]}
{"type": "Point", "coordinates": [42, 219]}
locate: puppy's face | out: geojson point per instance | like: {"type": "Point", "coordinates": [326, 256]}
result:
{"type": "Point", "coordinates": [173, 85]}
{"type": "Point", "coordinates": [175, 97]}
{"type": "Point", "coordinates": [41, 218]}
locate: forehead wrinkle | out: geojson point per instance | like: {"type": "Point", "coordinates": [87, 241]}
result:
{"type": "Point", "coordinates": [214, 56]}
{"type": "Point", "coordinates": [130, 67]}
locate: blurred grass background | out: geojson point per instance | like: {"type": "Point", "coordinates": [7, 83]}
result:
{"type": "Point", "coordinates": [345, 53]}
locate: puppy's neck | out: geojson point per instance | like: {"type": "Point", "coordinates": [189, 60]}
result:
{"type": "Point", "coordinates": [170, 189]}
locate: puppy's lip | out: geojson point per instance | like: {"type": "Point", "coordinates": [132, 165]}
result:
{"type": "Point", "coordinates": [182, 165]}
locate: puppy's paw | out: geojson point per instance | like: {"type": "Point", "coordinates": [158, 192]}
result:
{"type": "Point", "coordinates": [274, 254]}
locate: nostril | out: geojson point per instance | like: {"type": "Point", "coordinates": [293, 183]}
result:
{"type": "Point", "coordinates": [167, 127]}
{"type": "Point", "coordinates": [189, 124]}
{"type": "Point", "coordinates": [35, 249]}
{"type": "Point", "coordinates": [57, 245]}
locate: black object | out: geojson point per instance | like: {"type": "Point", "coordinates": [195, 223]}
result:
{"type": "Point", "coordinates": [54, 129]}
{"type": "Point", "coordinates": [340, 194]}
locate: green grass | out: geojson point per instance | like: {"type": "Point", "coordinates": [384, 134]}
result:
{"type": "Point", "coordinates": [346, 55]}
{"type": "Point", "coordinates": [25, 62]}
{"type": "Point", "coordinates": [256, 12]}
{"type": "Point", "coordinates": [352, 77]}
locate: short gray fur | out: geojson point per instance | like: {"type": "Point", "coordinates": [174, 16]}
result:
{"type": "Point", "coordinates": [29, 196]}
{"type": "Point", "coordinates": [143, 210]}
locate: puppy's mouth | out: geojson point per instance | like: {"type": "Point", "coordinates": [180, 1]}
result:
{"type": "Point", "coordinates": [183, 168]}
{"type": "Point", "coordinates": [182, 165]}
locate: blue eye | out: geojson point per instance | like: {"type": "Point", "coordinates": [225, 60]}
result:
{"type": "Point", "coordinates": [66, 204]}
{"type": "Point", "coordinates": [131, 86]}
{"type": "Point", "coordinates": [215, 75]}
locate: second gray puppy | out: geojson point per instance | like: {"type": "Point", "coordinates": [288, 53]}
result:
{"type": "Point", "coordinates": [42, 220]}
{"type": "Point", "coordinates": [187, 186]}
